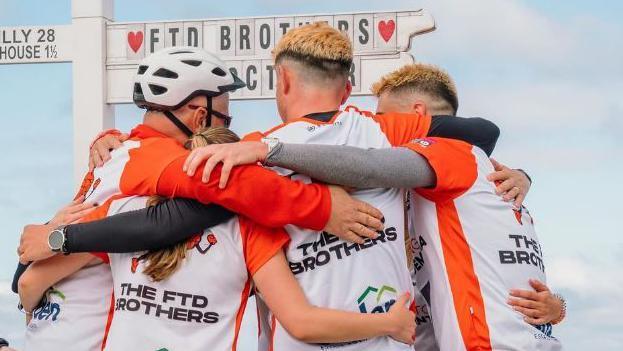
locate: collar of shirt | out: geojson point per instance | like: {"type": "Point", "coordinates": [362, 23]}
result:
{"type": "Point", "coordinates": [142, 131]}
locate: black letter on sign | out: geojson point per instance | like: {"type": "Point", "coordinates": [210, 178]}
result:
{"type": "Point", "coordinates": [353, 81]}
{"type": "Point", "coordinates": [173, 32]}
{"type": "Point", "coordinates": [264, 36]}
{"type": "Point", "coordinates": [271, 72]}
{"type": "Point", "coordinates": [152, 37]}
{"type": "Point", "coordinates": [251, 86]}
{"type": "Point", "coordinates": [342, 26]}
{"type": "Point", "coordinates": [244, 37]}
{"type": "Point", "coordinates": [284, 26]}
{"type": "Point", "coordinates": [365, 36]}
{"type": "Point", "coordinates": [225, 40]}
{"type": "Point", "coordinates": [193, 37]}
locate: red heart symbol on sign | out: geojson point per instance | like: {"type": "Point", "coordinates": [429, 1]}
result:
{"type": "Point", "coordinates": [135, 40]}
{"type": "Point", "coordinates": [387, 29]}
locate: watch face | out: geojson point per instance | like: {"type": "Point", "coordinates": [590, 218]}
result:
{"type": "Point", "coordinates": [55, 240]}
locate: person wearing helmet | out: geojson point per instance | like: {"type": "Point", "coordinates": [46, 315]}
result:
{"type": "Point", "coordinates": [149, 163]}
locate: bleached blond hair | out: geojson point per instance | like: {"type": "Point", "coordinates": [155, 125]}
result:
{"type": "Point", "coordinates": [419, 78]}
{"type": "Point", "coordinates": [317, 46]}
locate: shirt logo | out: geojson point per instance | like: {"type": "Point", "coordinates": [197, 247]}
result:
{"type": "Point", "coordinates": [425, 142]}
{"type": "Point", "coordinates": [377, 300]}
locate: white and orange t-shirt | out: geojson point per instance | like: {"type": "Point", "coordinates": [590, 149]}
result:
{"type": "Point", "coordinates": [474, 249]}
{"type": "Point", "coordinates": [200, 306]}
{"type": "Point", "coordinates": [335, 274]}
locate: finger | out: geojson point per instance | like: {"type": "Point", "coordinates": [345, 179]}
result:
{"type": "Point", "coordinates": [91, 164]}
{"type": "Point", "coordinates": [498, 175]}
{"type": "Point", "coordinates": [103, 149]}
{"type": "Point", "coordinates": [370, 210]}
{"type": "Point", "coordinates": [527, 311]}
{"type": "Point", "coordinates": [511, 194]}
{"type": "Point", "coordinates": [524, 294]}
{"type": "Point", "coordinates": [225, 171]}
{"type": "Point", "coordinates": [78, 200]}
{"type": "Point", "coordinates": [496, 165]}
{"type": "Point", "coordinates": [210, 164]}
{"type": "Point", "coordinates": [364, 232]}
{"type": "Point", "coordinates": [353, 237]}
{"type": "Point", "coordinates": [80, 207]}
{"type": "Point", "coordinates": [538, 285]}
{"type": "Point", "coordinates": [115, 144]}
{"type": "Point", "coordinates": [505, 186]}
{"type": "Point", "coordinates": [189, 161]}
{"type": "Point", "coordinates": [373, 223]}
{"type": "Point", "coordinates": [97, 159]}
{"type": "Point", "coordinates": [123, 137]}
{"type": "Point", "coordinates": [524, 303]}
{"type": "Point", "coordinates": [519, 199]}
{"type": "Point", "coordinates": [70, 218]}
{"type": "Point", "coordinates": [404, 299]}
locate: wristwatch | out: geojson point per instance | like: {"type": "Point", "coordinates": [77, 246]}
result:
{"type": "Point", "coordinates": [57, 239]}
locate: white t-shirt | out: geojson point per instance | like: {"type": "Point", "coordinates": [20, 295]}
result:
{"type": "Point", "coordinates": [474, 249]}
{"type": "Point", "coordinates": [366, 278]}
{"type": "Point", "coordinates": [200, 306]}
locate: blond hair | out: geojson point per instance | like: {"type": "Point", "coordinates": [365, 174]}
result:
{"type": "Point", "coordinates": [317, 46]}
{"type": "Point", "coordinates": [421, 78]}
{"type": "Point", "coordinates": [162, 263]}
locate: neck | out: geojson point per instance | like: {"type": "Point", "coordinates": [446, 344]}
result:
{"type": "Point", "coordinates": [312, 102]}
{"type": "Point", "coordinates": [159, 122]}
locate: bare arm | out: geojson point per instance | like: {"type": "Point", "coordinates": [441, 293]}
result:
{"type": "Point", "coordinates": [312, 324]}
{"type": "Point", "coordinates": [40, 276]}
{"type": "Point", "coordinates": [355, 167]}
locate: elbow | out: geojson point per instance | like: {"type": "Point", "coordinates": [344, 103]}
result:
{"type": "Point", "coordinates": [301, 332]}
{"type": "Point", "coordinates": [491, 134]}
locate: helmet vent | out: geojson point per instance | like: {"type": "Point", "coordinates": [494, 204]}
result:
{"type": "Point", "coordinates": [219, 72]}
{"type": "Point", "coordinates": [137, 89]}
{"type": "Point", "coordinates": [165, 73]}
{"type": "Point", "coordinates": [181, 52]}
{"type": "Point", "coordinates": [157, 89]}
{"type": "Point", "coordinates": [195, 63]}
{"type": "Point", "coordinates": [142, 69]}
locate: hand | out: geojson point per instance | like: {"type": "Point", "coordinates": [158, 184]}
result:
{"type": "Point", "coordinates": [352, 220]}
{"type": "Point", "coordinates": [512, 184]}
{"type": "Point", "coordinates": [539, 306]}
{"type": "Point", "coordinates": [72, 212]}
{"type": "Point", "coordinates": [402, 320]}
{"type": "Point", "coordinates": [33, 245]}
{"type": "Point", "coordinates": [230, 155]}
{"type": "Point", "coordinates": [100, 151]}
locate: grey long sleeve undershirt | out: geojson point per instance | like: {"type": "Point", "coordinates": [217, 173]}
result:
{"type": "Point", "coordinates": [355, 167]}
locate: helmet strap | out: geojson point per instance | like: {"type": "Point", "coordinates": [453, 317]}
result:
{"type": "Point", "coordinates": [209, 108]}
{"type": "Point", "coordinates": [178, 123]}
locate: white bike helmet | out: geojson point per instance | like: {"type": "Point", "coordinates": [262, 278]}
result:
{"type": "Point", "coordinates": [169, 78]}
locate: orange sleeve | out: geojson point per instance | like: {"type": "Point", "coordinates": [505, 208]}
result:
{"type": "Point", "coordinates": [260, 243]}
{"type": "Point", "coordinates": [255, 192]}
{"type": "Point", "coordinates": [454, 165]}
{"type": "Point", "coordinates": [400, 128]}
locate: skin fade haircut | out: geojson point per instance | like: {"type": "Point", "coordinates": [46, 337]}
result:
{"type": "Point", "coordinates": [419, 78]}
{"type": "Point", "coordinates": [318, 47]}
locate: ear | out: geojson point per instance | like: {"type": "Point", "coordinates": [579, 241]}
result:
{"type": "Point", "coordinates": [199, 119]}
{"type": "Point", "coordinates": [284, 79]}
{"type": "Point", "coordinates": [347, 91]}
{"type": "Point", "coordinates": [419, 107]}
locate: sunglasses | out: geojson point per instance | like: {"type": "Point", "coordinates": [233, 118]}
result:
{"type": "Point", "coordinates": [226, 119]}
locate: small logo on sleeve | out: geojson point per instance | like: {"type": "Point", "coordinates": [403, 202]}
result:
{"type": "Point", "coordinates": [425, 142]}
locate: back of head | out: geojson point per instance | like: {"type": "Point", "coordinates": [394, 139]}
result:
{"type": "Point", "coordinates": [320, 53]}
{"type": "Point", "coordinates": [419, 81]}
{"type": "Point", "coordinates": [163, 263]}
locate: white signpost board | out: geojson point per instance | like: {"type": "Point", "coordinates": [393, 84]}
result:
{"type": "Point", "coordinates": [105, 54]}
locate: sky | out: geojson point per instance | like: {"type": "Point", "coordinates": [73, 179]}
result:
{"type": "Point", "coordinates": [549, 73]}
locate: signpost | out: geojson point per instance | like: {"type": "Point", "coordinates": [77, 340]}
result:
{"type": "Point", "coordinates": [105, 53]}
